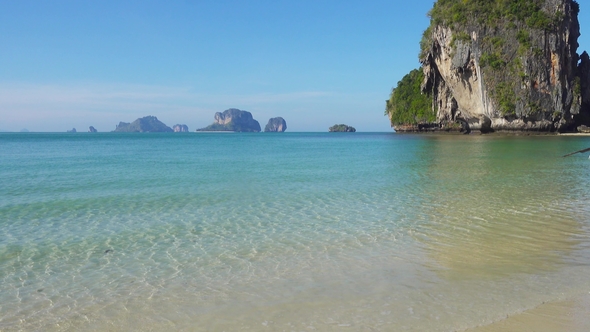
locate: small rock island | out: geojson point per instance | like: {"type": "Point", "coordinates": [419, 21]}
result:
{"type": "Point", "coordinates": [234, 120]}
{"type": "Point", "coordinates": [91, 129]}
{"type": "Point", "coordinates": [73, 130]}
{"type": "Point", "coordinates": [341, 128]}
{"type": "Point", "coordinates": [148, 124]}
{"type": "Point", "coordinates": [276, 125]}
{"type": "Point", "coordinates": [180, 128]}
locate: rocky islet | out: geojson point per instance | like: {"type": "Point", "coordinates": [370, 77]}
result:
{"type": "Point", "coordinates": [276, 125]}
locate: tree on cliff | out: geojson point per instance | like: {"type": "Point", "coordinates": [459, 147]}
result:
{"type": "Point", "coordinates": [407, 104]}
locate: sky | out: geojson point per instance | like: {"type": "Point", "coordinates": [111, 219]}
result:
{"type": "Point", "coordinates": [316, 63]}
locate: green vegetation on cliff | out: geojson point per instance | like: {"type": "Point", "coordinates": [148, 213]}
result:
{"type": "Point", "coordinates": [513, 62]}
{"type": "Point", "coordinates": [491, 12]}
{"type": "Point", "coordinates": [494, 14]}
{"type": "Point", "coordinates": [407, 104]}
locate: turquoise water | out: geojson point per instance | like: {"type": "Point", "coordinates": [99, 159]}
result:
{"type": "Point", "coordinates": [293, 231]}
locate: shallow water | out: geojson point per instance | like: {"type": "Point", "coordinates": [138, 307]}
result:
{"type": "Point", "coordinates": [293, 231]}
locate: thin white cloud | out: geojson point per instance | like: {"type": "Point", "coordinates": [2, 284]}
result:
{"type": "Point", "coordinates": [89, 96]}
{"type": "Point", "coordinates": [130, 96]}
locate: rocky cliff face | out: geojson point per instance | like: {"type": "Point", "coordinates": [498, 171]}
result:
{"type": "Point", "coordinates": [507, 73]}
{"type": "Point", "coordinates": [233, 120]}
{"type": "Point", "coordinates": [277, 124]}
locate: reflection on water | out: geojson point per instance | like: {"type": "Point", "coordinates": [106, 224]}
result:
{"type": "Point", "coordinates": [497, 207]}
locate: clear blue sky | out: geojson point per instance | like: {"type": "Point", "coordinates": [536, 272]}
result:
{"type": "Point", "coordinates": [67, 64]}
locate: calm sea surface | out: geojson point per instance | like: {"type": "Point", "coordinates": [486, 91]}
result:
{"type": "Point", "coordinates": [293, 231]}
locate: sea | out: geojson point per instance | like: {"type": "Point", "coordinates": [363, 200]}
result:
{"type": "Point", "coordinates": [288, 231]}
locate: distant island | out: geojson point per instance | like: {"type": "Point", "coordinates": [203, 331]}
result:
{"type": "Point", "coordinates": [180, 128]}
{"type": "Point", "coordinates": [91, 129]}
{"type": "Point", "coordinates": [73, 130]}
{"type": "Point", "coordinates": [234, 120]}
{"type": "Point", "coordinates": [277, 125]}
{"type": "Point", "coordinates": [341, 128]}
{"type": "Point", "coordinates": [148, 124]}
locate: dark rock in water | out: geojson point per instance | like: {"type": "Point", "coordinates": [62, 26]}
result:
{"type": "Point", "coordinates": [341, 128]}
{"type": "Point", "coordinates": [277, 125]}
{"type": "Point", "coordinates": [233, 120]}
{"type": "Point", "coordinates": [148, 124]}
{"type": "Point", "coordinates": [91, 129]}
{"type": "Point", "coordinates": [72, 131]}
{"type": "Point", "coordinates": [180, 128]}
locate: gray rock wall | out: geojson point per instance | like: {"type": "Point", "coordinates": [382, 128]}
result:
{"type": "Point", "coordinates": [533, 91]}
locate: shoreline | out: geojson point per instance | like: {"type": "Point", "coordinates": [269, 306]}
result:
{"type": "Point", "coordinates": [565, 315]}
{"type": "Point", "coordinates": [574, 134]}
{"type": "Point", "coordinates": [496, 133]}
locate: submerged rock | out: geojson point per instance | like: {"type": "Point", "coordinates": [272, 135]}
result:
{"type": "Point", "coordinates": [180, 128]}
{"type": "Point", "coordinates": [233, 119]}
{"type": "Point", "coordinates": [277, 124]}
{"type": "Point", "coordinates": [148, 124]}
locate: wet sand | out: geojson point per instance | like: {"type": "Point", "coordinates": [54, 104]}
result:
{"type": "Point", "coordinates": [571, 315]}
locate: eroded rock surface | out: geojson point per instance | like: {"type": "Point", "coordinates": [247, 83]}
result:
{"type": "Point", "coordinates": [277, 124]}
{"type": "Point", "coordinates": [511, 76]}
{"type": "Point", "coordinates": [233, 119]}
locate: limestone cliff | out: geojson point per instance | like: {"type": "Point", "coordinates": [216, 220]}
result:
{"type": "Point", "coordinates": [505, 65]}
{"type": "Point", "coordinates": [277, 125]}
{"type": "Point", "coordinates": [233, 120]}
